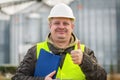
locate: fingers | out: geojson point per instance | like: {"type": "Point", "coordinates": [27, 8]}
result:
{"type": "Point", "coordinates": [77, 55]}
{"type": "Point", "coordinates": [52, 74]}
{"type": "Point", "coordinates": [75, 58]}
{"type": "Point", "coordinates": [49, 76]}
{"type": "Point", "coordinates": [78, 44]}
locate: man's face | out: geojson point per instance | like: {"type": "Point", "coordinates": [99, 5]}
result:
{"type": "Point", "coordinates": [61, 28]}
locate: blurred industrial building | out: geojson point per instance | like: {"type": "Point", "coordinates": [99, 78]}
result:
{"type": "Point", "coordinates": [24, 23]}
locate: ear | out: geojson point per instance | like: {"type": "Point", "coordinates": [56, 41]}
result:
{"type": "Point", "coordinates": [73, 26]}
{"type": "Point", "coordinates": [49, 25]}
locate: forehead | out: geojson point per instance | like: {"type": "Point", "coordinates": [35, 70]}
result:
{"type": "Point", "coordinates": [60, 18]}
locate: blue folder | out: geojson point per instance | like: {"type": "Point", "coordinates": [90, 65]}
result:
{"type": "Point", "coordinates": [46, 63]}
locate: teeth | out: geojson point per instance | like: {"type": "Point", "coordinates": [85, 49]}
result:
{"type": "Point", "coordinates": [61, 30]}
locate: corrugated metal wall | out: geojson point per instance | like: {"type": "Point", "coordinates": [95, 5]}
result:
{"type": "Point", "coordinates": [4, 42]}
{"type": "Point", "coordinates": [118, 32]}
{"type": "Point", "coordinates": [97, 26]}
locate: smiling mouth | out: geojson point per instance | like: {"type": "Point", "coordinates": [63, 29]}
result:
{"type": "Point", "coordinates": [61, 32]}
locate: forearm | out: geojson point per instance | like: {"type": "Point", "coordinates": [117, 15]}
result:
{"type": "Point", "coordinates": [23, 77]}
{"type": "Point", "coordinates": [25, 71]}
{"type": "Point", "coordinates": [91, 68]}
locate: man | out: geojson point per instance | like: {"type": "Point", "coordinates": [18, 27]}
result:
{"type": "Point", "coordinates": [77, 61]}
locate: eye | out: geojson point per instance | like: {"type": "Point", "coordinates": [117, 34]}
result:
{"type": "Point", "coordinates": [56, 23]}
{"type": "Point", "coordinates": [65, 23]}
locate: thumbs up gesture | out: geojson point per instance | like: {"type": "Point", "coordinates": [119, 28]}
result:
{"type": "Point", "coordinates": [77, 55]}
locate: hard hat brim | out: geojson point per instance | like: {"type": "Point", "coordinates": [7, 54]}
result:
{"type": "Point", "coordinates": [72, 18]}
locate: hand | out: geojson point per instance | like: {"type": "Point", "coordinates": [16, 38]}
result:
{"type": "Point", "coordinates": [49, 76]}
{"type": "Point", "coordinates": [77, 55]}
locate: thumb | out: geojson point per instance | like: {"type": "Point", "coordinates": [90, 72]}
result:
{"type": "Point", "coordinates": [78, 44]}
{"type": "Point", "coordinates": [52, 74]}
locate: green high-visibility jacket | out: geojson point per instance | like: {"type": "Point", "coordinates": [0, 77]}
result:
{"type": "Point", "coordinates": [69, 71]}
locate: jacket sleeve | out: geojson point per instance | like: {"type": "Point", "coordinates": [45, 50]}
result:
{"type": "Point", "coordinates": [91, 68]}
{"type": "Point", "coordinates": [25, 70]}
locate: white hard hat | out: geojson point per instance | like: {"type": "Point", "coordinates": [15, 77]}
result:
{"type": "Point", "coordinates": [61, 10]}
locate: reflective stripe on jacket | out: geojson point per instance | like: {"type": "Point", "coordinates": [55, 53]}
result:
{"type": "Point", "coordinates": [69, 71]}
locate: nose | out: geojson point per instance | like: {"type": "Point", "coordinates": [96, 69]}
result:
{"type": "Point", "coordinates": [61, 25]}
